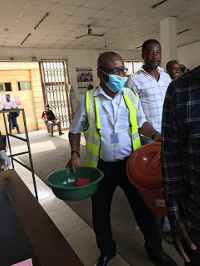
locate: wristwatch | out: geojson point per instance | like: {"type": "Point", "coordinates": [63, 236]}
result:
{"type": "Point", "coordinates": [153, 135]}
{"type": "Point", "coordinates": [76, 153]}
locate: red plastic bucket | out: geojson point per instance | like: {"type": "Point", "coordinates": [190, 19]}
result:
{"type": "Point", "coordinates": [144, 172]}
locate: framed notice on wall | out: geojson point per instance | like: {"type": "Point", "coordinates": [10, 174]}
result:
{"type": "Point", "coordinates": [84, 77]}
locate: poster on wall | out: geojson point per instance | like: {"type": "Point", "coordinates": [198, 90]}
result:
{"type": "Point", "coordinates": [16, 100]}
{"type": "Point", "coordinates": [84, 77]}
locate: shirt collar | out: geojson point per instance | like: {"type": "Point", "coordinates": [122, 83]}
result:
{"type": "Point", "coordinates": [99, 91]}
{"type": "Point", "coordinates": [159, 69]}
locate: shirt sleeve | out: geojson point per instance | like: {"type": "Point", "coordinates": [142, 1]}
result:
{"type": "Point", "coordinates": [171, 162]}
{"type": "Point", "coordinates": [79, 122]}
{"type": "Point", "coordinates": [13, 104]}
{"type": "Point", "coordinates": [130, 83]}
{"type": "Point", "coordinates": [141, 119]}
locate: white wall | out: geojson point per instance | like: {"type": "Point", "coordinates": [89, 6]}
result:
{"type": "Point", "coordinates": [75, 58]}
{"type": "Point", "coordinates": [189, 55]}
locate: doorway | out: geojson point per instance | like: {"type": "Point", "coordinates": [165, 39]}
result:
{"type": "Point", "coordinates": [55, 83]}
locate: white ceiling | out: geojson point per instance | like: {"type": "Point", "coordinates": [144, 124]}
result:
{"type": "Point", "coordinates": [125, 23]}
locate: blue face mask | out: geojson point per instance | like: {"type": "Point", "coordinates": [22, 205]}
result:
{"type": "Point", "coordinates": [116, 83]}
{"type": "Point", "coordinates": [47, 108]}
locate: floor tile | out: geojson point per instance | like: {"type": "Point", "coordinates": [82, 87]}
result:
{"type": "Point", "coordinates": [52, 203]}
{"type": "Point", "coordinates": [84, 244]}
{"type": "Point", "coordinates": [67, 220]}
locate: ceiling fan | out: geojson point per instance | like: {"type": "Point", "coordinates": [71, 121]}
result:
{"type": "Point", "coordinates": [90, 33]}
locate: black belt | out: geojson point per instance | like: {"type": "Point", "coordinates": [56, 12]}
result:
{"type": "Point", "coordinates": [102, 162]}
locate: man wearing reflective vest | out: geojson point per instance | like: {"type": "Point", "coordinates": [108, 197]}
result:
{"type": "Point", "coordinates": [111, 118]}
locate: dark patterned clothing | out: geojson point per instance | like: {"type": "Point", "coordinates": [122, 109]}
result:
{"type": "Point", "coordinates": [180, 153]}
{"type": "Point", "coordinates": [48, 115]}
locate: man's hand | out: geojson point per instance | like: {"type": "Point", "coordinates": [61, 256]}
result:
{"type": "Point", "coordinates": [180, 235]}
{"type": "Point", "coordinates": [158, 137]}
{"type": "Point", "coordinates": [73, 162]}
{"type": "Point", "coordinates": [6, 160]}
{"type": "Point", "coordinates": [148, 131]}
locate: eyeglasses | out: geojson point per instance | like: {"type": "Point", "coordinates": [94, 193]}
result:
{"type": "Point", "coordinates": [115, 70]}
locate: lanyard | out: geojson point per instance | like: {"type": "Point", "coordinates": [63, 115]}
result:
{"type": "Point", "coordinates": [113, 120]}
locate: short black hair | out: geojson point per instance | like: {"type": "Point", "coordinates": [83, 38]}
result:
{"type": "Point", "coordinates": [47, 105]}
{"type": "Point", "coordinates": [147, 42]}
{"type": "Point", "coordinates": [171, 62]}
{"type": "Point", "coordinates": [104, 56]}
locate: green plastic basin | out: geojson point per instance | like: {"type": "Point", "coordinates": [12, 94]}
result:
{"type": "Point", "coordinates": [63, 183]}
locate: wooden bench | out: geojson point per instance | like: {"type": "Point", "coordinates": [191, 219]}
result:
{"type": "Point", "coordinates": [26, 230]}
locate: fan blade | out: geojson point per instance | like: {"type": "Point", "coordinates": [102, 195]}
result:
{"type": "Point", "coordinates": [97, 35]}
{"type": "Point", "coordinates": [81, 36]}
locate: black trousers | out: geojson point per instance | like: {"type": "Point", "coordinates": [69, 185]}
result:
{"type": "Point", "coordinates": [115, 175]}
{"type": "Point", "coordinates": [12, 123]}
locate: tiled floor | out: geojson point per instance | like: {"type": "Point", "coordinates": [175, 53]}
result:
{"type": "Point", "coordinates": [78, 234]}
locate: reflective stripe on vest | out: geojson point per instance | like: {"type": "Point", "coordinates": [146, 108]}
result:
{"type": "Point", "coordinates": [132, 104]}
{"type": "Point", "coordinates": [92, 134]}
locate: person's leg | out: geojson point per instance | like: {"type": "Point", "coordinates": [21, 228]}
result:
{"type": "Point", "coordinates": [147, 221]}
{"type": "Point", "coordinates": [57, 122]}
{"type": "Point", "coordinates": [59, 125]}
{"type": "Point", "coordinates": [16, 124]}
{"type": "Point", "coordinates": [101, 205]}
{"type": "Point", "coordinates": [10, 123]}
{"type": "Point", "coordinates": [50, 123]}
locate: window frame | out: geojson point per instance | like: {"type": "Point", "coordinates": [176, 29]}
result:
{"type": "Point", "coordinates": [4, 86]}
{"type": "Point", "coordinates": [126, 62]}
{"type": "Point", "coordinates": [20, 85]}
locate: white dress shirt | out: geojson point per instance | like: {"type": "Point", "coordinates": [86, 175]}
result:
{"type": "Point", "coordinates": [151, 93]}
{"type": "Point", "coordinates": [9, 105]}
{"type": "Point", "coordinates": [114, 116]}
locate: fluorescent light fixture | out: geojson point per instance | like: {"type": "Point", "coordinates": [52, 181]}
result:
{"type": "Point", "coordinates": [180, 32]}
{"type": "Point", "coordinates": [188, 43]}
{"type": "Point", "coordinates": [138, 47]}
{"type": "Point", "coordinates": [46, 15]}
{"type": "Point", "coordinates": [160, 3]}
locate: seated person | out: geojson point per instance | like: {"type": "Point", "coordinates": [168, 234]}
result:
{"type": "Point", "coordinates": [4, 159]}
{"type": "Point", "coordinates": [173, 69]}
{"type": "Point", "coordinates": [50, 120]}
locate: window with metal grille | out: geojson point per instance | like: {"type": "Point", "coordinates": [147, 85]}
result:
{"type": "Point", "coordinates": [55, 81]}
{"type": "Point", "coordinates": [133, 66]}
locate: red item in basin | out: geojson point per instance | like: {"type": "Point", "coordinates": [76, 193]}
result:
{"type": "Point", "coordinates": [82, 181]}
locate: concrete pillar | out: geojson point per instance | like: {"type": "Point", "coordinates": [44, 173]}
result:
{"type": "Point", "coordinates": [168, 37]}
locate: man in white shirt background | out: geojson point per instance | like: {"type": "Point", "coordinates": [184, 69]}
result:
{"type": "Point", "coordinates": [151, 83]}
{"type": "Point", "coordinates": [12, 119]}
{"type": "Point", "coordinates": [112, 134]}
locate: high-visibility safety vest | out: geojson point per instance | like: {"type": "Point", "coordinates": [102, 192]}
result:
{"type": "Point", "coordinates": [93, 132]}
